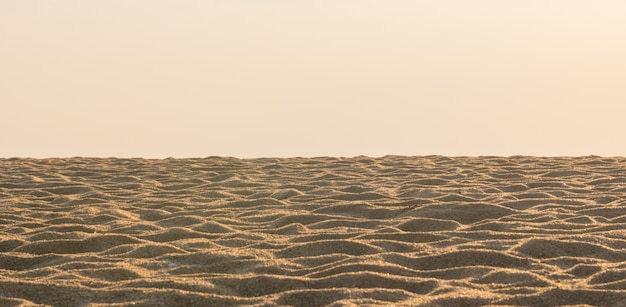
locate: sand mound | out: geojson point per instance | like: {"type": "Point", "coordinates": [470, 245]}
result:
{"type": "Point", "coordinates": [432, 231]}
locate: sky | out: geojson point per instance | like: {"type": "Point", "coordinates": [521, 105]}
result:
{"type": "Point", "coordinates": [282, 78]}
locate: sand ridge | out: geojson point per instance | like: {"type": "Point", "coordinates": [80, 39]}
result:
{"type": "Point", "coordinates": [431, 231]}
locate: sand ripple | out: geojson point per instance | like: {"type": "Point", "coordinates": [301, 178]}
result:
{"type": "Point", "coordinates": [432, 231]}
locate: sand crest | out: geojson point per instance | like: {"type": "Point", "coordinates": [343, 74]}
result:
{"type": "Point", "coordinates": [427, 231]}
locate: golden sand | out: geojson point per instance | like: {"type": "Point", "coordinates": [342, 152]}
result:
{"type": "Point", "coordinates": [424, 231]}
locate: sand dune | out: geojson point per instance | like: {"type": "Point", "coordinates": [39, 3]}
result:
{"type": "Point", "coordinates": [427, 231]}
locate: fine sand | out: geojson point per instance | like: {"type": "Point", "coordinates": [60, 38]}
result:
{"type": "Point", "coordinates": [425, 231]}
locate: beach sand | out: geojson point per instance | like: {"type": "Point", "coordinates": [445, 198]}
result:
{"type": "Point", "coordinates": [404, 231]}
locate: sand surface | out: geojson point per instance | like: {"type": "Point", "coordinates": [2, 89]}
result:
{"type": "Point", "coordinates": [434, 231]}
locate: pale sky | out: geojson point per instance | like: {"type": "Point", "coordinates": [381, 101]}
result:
{"type": "Point", "coordinates": [283, 78]}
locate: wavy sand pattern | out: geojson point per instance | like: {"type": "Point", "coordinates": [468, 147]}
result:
{"type": "Point", "coordinates": [309, 232]}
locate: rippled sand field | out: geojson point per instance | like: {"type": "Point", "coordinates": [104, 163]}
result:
{"type": "Point", "coordinates": [432, 231]}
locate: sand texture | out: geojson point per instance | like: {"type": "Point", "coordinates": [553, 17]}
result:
{"type": "Point", "coordinates": [424, 231]}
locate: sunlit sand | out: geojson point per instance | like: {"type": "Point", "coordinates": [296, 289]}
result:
{"type": "Point", "coordinates": [433, 231]}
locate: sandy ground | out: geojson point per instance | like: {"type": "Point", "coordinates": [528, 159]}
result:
{"type": "Point", "coordinates": [432, 231]}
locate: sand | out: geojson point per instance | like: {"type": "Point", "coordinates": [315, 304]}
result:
{"type": "Point", "coordinates": [404, 231]}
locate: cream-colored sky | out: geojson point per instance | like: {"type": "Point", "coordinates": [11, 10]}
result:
{"type": "Point", "coordinates": [155, 78]}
